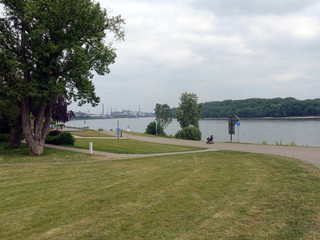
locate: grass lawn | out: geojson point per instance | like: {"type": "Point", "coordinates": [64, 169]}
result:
{"type": "Point", "coordinates": [211, 195]}
{"type": "Point", "coordinates": [130, 146]}
{"type": "Point", "coordinates": [8, 156]}
{"type": "Point", "coordinates": [140, 134]}
{"type": "Point", "coordinates": [91, 133]}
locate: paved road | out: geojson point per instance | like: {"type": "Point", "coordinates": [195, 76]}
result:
{"type": "Point", "coordinates": [307, 154]}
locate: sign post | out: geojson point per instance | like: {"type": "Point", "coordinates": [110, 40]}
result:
{"type": "Point", "coordinates": [232, 120]}
{"type": "Point", "coordinates": [118, 129]}
{"type": "Point", "coordinates": [238, 125]}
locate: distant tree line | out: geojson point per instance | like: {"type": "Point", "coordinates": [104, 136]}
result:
{"type": "Point", "coordinates": [258, 107]}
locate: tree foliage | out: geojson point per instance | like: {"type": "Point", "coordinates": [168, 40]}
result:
{"type": "Point", "coordinates": [154, 129]}
{"type": "Point", "coordinates": [257, 107]}
{"type": "Point", "coordinates": [162, 112]}
{"type": "Point", "coordinates": [60, 111]}
{"type": "Point", "coordinates": [189, 133]}
{"type": "Point", "coordinates": [4, 123]}
{"type": "Point", "coordinates": [189, 111]}
{"type": "Point", "coordinates": [10, 122]}
{"type": "Point", "coordinates": [49, 49]}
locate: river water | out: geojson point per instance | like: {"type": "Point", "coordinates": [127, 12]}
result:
{"type": "Point", "coordinates": [304, 132]}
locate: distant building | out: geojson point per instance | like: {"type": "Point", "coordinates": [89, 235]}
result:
{"type": "Point", "coordinates": [113, 114]}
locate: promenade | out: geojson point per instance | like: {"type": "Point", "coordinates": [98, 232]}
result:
{"type": "Point", "coordinates": [306, 154]}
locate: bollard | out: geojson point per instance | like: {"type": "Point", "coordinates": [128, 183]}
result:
{"type": "Point", "coordinates": [90, 148]}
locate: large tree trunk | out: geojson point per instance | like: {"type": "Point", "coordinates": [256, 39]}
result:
{"type": "Point", "coordinates": [35, 139]}
{"type": "Point", "coordinates": [15, 135]}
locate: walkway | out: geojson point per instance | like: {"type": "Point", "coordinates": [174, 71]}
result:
{"type": "Point", "coordinates": [307, 154]}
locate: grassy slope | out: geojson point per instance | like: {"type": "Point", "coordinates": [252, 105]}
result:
{"type": "Point", "coordinates": [214, 195]}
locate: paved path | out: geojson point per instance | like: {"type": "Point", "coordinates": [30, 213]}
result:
{"type": "Point", "coordinates": [307, 154]}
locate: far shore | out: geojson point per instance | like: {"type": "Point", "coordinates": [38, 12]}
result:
{"type": "Point", "coordinates": [244, 118]}
{"type": "Point", "coordinates": [270, 118]}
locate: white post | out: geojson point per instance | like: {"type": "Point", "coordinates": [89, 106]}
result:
{"type": "Point", "coordinates": [90, 148]}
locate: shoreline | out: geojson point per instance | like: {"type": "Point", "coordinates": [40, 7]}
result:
{"type": "Point", "coordinates": [245, 118]}
{"type": "Point", "coordinates": [271, 118]}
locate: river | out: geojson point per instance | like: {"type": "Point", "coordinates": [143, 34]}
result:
{"type": "Point", "coordinates": [305, 132]}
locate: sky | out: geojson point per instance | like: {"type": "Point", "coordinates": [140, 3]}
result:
{"type": "Point", "coordinates": [217, 49]}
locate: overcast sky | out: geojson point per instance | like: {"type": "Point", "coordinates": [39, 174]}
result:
{"type": "Point", "coordinates": [217, 49]}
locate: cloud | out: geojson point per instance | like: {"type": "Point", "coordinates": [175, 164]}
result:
{"type": "Point", "coordinates": [217, 49]}
{"type": "Point", "coordinates": [253, 7]}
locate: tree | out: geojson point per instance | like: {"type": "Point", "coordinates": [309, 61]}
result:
{"type": "Point", "coordinates": [49, 49]}
{"type": "Point", "coordinates": [60, 110]}
{"type": "Point", "coordinates": [162, 112]}
{"type": "Point", "coordinates": [189, 111]}
{"type": "Point", "coordinates": [11, 122]}
{"type": "Point", "coordinates": [154, 129]}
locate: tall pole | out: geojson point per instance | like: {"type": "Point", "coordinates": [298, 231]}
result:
{"type": "Point", "coordinates": [118, 129]}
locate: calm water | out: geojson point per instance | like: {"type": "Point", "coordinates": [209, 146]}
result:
{"type": "Point", "coordinates": [302, 132]}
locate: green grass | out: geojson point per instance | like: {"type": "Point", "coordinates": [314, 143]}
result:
{"type": "Point", "coordinates": [145, 135]}
{"type": "Point", "coordinates": [91, 133]}
{"type": "Point", "coordinates": [212, 195]}
{"type": "Point", "coordinates": [9, 156]}
{"type": "Point", "coordinates": [140, 134]}
{"type": "Point", "coordinates": [130, 146]}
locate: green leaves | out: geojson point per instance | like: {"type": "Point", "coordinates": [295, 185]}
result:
{"type": "Point", "coordinates": [56, 45]}
{"type": "Point", "coordinates": [162, 112]}
{"type": "Point", "coordinates": [48, 49]}
{"type": "Point", "coordinates": [189, 111]}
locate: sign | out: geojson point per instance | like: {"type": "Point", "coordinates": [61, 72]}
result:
{"type": "Point", "coordinates": [232, 120]}
{"type": "Point", "coordinates": [238, 124]}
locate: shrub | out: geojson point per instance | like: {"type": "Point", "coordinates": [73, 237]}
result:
{"type": "Point", "coordinates": [64, 138]}
{"type": "Point", "coordinates": [151, 129]}
{"type": "Point", "coordinates": [189, 133]}
{"type": "Point", "coordinates": [4, 137]}
{"type": "Point", "coordinates": [54, 132]}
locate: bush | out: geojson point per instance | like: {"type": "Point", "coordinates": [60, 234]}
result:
{"type": "Point", "coordinates": [54, 132]}
{"type": "Point", "coordinates": [189, 133]}
{"type": "Point", "coordinates": [4, 137]}
{"type": "Point", "coordinates": [151, 129]}
{"type": "Point", "coordinates": [64, 138]}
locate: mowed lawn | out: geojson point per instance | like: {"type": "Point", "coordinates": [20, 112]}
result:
{"type": "Point", "coordinates": [130, 146]}
{"type": "Point", "coordinates": [211, 195]}
{"type": "Point", "coordinates": [91, 133]}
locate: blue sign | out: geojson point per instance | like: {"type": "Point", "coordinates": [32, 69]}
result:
{"type": "Point", "coordinates": [238, 124]}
